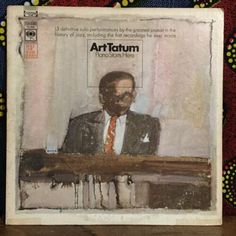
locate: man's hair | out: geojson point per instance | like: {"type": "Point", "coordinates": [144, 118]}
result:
{"type": "Point", "coordinates": [112, 77]}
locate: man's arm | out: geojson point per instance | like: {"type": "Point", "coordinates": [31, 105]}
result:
{"type": "Point", "coordinates": [73, 140]}
{"type": "Point", "coordinates": [155, 130]}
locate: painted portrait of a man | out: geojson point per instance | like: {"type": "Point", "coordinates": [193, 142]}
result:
{"type": "Point", "coordinates": [118, 117]}
{"type": "Point", "coordinates": [114, 129]}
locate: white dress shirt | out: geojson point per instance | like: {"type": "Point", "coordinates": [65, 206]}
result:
{"type": "Point", "coordinates": [119, 134]}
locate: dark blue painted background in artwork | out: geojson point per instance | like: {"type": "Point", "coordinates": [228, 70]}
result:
{"type": "Point", "coordinates": [163, 3]}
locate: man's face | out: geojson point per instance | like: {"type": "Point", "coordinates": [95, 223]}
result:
{"type": "Point", "coordinates": [118, 97]}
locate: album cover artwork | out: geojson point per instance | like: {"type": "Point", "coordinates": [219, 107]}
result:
{"type": "Point", "coordinates": [114, 116]}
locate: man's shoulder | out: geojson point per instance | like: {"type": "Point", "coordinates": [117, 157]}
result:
{"type": "Point", "coordinates": [87, 117]}
{"type": "Point", "coordinates": [143, 124]}
{"type": "Point", "coordinates": [142, 117]}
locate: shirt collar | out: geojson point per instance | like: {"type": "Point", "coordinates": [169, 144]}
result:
{"type": "Point", "coordinates": [121, 119]}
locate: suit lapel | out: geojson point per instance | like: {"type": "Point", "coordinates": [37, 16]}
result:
{"type": "Point", "coordinates": [99, 127]}
{"type": "Point", "coordinates": [130, 134]}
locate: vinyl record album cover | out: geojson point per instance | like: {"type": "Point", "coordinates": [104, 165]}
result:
{"type": "Point", "coordinates": [114, 116]}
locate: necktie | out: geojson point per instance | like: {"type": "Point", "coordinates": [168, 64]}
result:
{"type": "Point", "coordinates": [108, 147]}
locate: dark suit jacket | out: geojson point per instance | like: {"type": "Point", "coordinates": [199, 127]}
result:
{"type": "Point", "coordinates": [85, 134]}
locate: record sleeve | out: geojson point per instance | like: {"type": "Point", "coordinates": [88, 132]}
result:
{"type": "Point", "coordinates": [114, 116]}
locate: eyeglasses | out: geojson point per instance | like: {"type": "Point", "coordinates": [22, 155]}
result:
{"type": "Point", "coordinates": [122, 96]}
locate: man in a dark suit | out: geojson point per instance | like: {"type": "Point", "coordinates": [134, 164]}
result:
{"type": "Point", "coordinates": [115, 129]}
